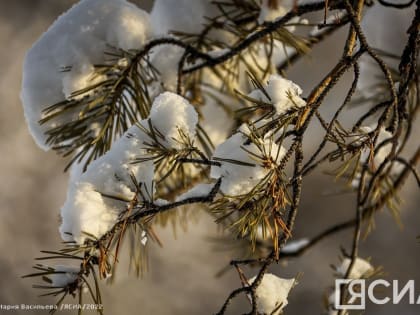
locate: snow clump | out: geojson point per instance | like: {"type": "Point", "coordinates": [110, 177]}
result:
{"type": "Point", "coordinates": [283, 93]}
{"type": "Point", "coordinates": [64, 276]}
{"type": "Point", "coordinates": [295, 246]}
{"type": "Point", "coordinates": [199, 190]}
{"type": "Point", "coordinates": [174, 117]}
{"type": "Point", "coordinates": [97, 197]}
{"type": "Point", "coordinates": [360, 268]}
{"type": "Point", "coordinates": [76, 42]}
{"type": "Point", "coordinates": [272, 293]}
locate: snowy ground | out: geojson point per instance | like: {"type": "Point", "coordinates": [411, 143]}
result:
{"type": "Point", "coordinates": [181, 278]}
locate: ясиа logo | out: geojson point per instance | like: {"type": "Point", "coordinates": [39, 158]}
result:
{"type": "Point", "coordinates": [358, 290]}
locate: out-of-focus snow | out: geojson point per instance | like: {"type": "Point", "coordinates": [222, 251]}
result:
{"type": "Point", "coordinates": [336, 294]}
{"type": "Point", "coordinates": [382, 152]}
{"type": "Point", "coordinates": [238, 78]}
{"type": "Point", "coordinates": [294, 246]}
{"type": "Point", "coordinates": [239, 179]}
{"type": "Point", "coordinates": [333, 18]}
{"type": "Point", "coordinates": [360, 268]}
{"type": "Point", "coordinates": [187, 16]}
{"type": "Point", "coordinates": [277, 10]}
{"type": "Point", "coordinates": [77, 40]}
{"type": "Point", "coordinates": [64, 276]}
{"type": "Point", "coordinates": [165, 59]}
{"type": "Point", "coordinates": [216, 122]}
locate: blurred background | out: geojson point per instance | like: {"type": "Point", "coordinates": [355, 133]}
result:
{"type": "Point", "coordinates": [182, 275]}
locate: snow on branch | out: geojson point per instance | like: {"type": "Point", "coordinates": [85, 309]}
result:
{"type": "Point", "coordinates": [192, 105]}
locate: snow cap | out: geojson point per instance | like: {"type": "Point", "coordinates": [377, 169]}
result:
{"type": "Point", "coordinates": [360, 268]}
{"type": "Point", "coordinates": [272, 293]}
{"type": "Point", "coordinates": [173, 116]}
{"type": "Point", "coordinates": [283, 93]}
{"type": "Point", "coordinates": [77, 41]}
